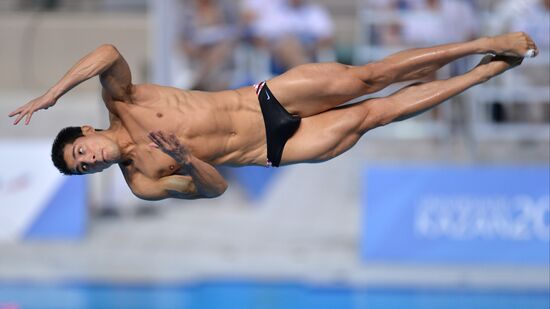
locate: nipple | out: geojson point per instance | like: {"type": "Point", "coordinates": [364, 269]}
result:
{"type": "Point", "coordinates": [172, 167]}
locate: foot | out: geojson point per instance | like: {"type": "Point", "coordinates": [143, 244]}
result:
{"type": "Point", "coordinates": [491, 66]}
{"type": "Point", "coordinates": [515, 44]}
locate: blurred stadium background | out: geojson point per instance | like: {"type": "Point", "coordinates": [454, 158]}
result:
{"type": "Point", "coordinates": [447, 210]}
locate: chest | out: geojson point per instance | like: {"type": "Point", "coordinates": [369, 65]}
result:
{"type": "Point", "coordinates": [153, 163]}
{"type": "Point", "coordinates": [139, 120]}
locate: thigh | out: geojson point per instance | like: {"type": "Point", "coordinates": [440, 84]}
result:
{"type": "Point", "coordinates": [311, 89]}
{"type": "Point", "coordinates": [326, 135]}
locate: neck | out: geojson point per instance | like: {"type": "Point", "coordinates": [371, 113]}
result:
{"type": "Point", "coordinates": [123, 139]}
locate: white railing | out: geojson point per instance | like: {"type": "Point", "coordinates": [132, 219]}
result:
{"type": "Point", "coordinates": [510, 89]}
{"type": "Point", "coordinates": [436, 125]}
{"type": "Point", "coordinates": [513, 89]}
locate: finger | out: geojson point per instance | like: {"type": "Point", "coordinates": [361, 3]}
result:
{"type": "Point", "coordinates": [169, 137]}
{"type": "Point", "coordinates": [19, 110]}
{"type": "Point", "coordinates": [154, 138]}
{"type": "Point", "coordinates": [29, 116]}
{"type": "Point", "coordinates": [152, 134]}
{"type": "Point", "coordinates": [153, 145]}
{"type": "Point", "coordinates": [158, 135]}
{"type": "Point", "coordinates": [15, 112]}
{"type": "Point", "coordinates": [161, 135]}
{"type": "Point", "coordinates": [174, 139]}
{"type": "Point", "coordinates": [19, 118]}
{"type": "Point", "coordinates": [157, 140]}
{"type": "Point", "coordinates": [165, 140]}
{"type": "Point", "coordinates": [172, 136]}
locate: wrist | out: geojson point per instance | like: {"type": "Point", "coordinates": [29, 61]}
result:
{"type": "Point", "coordinates": [53, 93]}
{"type": "Point", "coordinates": [186, 161]}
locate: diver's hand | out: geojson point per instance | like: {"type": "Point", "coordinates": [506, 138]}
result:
{"type": "Point", "coordinates": [42, 102]}
{"type": "Point", "coordinates": [169, 144]}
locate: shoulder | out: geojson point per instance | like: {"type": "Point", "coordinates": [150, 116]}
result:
{"type": "Point", "coordinates": [149, 92]}
{"type": "Point", "coordinates": [109, 102]}
{"type": "Point", "coordinates": [135, 93]}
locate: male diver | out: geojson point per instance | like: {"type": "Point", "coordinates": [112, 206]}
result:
{"type": "Point", "coordinates": [167, 141]}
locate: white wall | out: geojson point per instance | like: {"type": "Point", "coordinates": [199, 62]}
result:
{"type": "Point", "coordinates": [38, 48]}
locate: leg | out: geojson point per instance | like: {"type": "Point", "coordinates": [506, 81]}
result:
{"type": "Point", "coordinates": [329, 134]}
{"type": "Point", "coordinates": [314, 88]}
{"type": "Point", "coordinates": [326, 135]}
{"type": "Point", "coordinates": [418, 98]}
{"type": "Point", "coordinates": [416, 63]}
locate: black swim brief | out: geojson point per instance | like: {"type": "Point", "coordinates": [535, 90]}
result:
{"type": "Point", "coordinates": [280, 125]}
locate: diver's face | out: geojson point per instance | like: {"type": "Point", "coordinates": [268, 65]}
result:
{"type": "Point", "coordinates": [91, 153]}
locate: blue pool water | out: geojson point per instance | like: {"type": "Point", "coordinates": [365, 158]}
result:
{"type": "Point", "coordinates": [254, 295]}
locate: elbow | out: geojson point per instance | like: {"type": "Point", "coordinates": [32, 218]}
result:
{"type": "Point", "coordinates": [217, 192]}
{"type": "Point", "coordinates": [148, 197]}
{"type": "Point", "coordinates": [221, 190]}
{"type": "Point", "coordinates": [109, 50]}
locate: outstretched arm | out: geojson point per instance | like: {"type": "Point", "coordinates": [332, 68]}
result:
{"type": "Point", "coordinates": [105, 61]}
{"type": "Point", "coordinates": [202, 179]}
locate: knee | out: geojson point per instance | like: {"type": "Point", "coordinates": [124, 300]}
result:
{"type": "Point", "coordinates": [378, 74]}
{"type": "Point", "coordinates": [376, 115]}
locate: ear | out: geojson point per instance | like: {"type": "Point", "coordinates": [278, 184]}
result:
{"type": "Point", "coordinates": [86, 130]}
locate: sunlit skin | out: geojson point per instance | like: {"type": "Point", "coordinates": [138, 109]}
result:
{"type": "Point", "coordinates": [167, 141]}
{"type": "Point", "coordinates": [93, 152]}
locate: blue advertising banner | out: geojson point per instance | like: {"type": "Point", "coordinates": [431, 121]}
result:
{"type": "Point", "coordinates": [448, 214]}
{"type": "Point", "coordinates": [36, 201]}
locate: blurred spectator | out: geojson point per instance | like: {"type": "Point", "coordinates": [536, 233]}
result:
{"type": "Point", "coordinates": [39, 4]}
{"type": "Point", "coordinates": [208, 34]}
{"type": "Point", "coordinates": [294, 31]}
{"type": "Point", "coordinates": [432, 22]}
{"type": "Point", "coordinates": [425, 22]}
{"type": "Point", "coordinates": [386, 33]}
{"type": "Point", "coordinates": [531, 16]}
{"type": "Point", "coordinates": [422, 23]}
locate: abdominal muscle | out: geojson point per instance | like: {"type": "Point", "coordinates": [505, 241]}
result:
{"type": "Point", "coordinates": [221, 128]}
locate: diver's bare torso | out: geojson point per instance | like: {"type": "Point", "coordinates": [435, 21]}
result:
{"type": "Point", "coordinates": [222, 128]}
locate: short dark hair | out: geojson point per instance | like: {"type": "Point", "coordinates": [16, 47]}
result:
{"type": "Point", "coordinates": [66, 136]}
